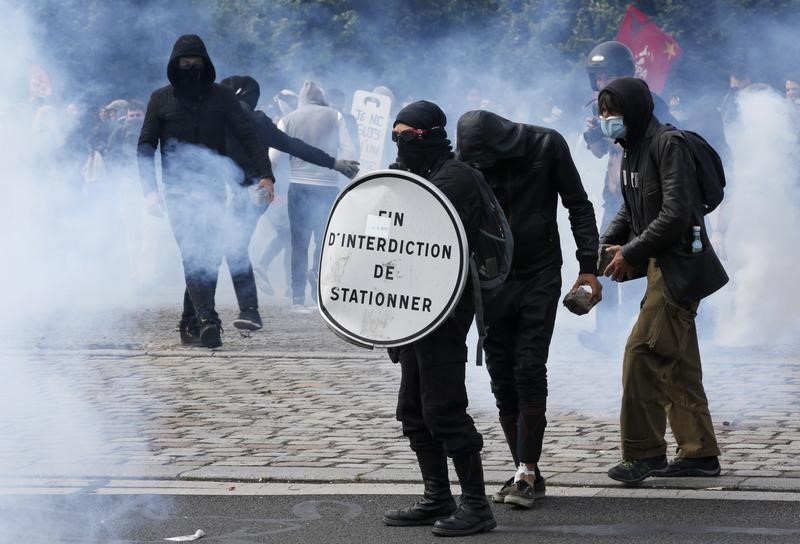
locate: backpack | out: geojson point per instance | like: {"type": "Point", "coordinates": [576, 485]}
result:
{"type": "Point", "coordinates": [710, 173]}
{"type": "Point", "coordinates": [490, 258]}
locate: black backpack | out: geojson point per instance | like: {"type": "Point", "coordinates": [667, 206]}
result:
{"type": "Point", "coordinates": [490, 258]}
{"type": "Point", "coordinates": [710, 173]}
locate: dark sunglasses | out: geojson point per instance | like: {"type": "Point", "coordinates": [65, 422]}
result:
{"type": "Point", "coordinates": [410, 134]}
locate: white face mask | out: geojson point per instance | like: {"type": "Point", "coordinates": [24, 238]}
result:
{"type": "Point", "coordinates": [613, 127]}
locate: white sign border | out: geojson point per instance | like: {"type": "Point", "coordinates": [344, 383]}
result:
{"type": "Point", "coordinates": [463, 271]}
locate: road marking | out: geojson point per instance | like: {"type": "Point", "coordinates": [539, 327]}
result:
{"type": "Point", "coordinates": [52, 486]}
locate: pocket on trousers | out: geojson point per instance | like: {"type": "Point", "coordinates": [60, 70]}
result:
{"type": "Point", "coordinates": [670, 330]}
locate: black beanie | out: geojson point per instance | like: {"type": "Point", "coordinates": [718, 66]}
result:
{"type": "Point", "coordinates": [423, 115]}
{"type": "Point", "coordinates": [245, 88]}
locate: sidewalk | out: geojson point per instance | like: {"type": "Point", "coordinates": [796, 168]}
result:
{"type": "Point", "coordinates": [120, 398]}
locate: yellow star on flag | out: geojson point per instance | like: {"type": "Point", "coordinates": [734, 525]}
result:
{"type": "Point", "coordinates": [670, 50]}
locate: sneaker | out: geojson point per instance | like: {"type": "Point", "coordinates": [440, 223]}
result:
{"type": "Point", "coordinates": [249, 319]}
{"type": "Point", "coordinates": [691, 466]}
{"type": "Point", "coordinates": [636, 470]}
{"type": "Point", "coordinates": [500, 496]}
{"type": "Point", "coordinates": [524, 494]}
{"type": "Point", "coordinates": [300, 309]}
{"type": "Point", "coordinates": [210, 333]}
{"type": "Point", "coordinates": [190, 332]}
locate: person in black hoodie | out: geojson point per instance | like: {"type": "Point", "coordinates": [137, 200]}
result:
{"type": "Point", "coordinates": [654, 235]}
{"type": "Point", "coordinates": [528, 168]}
{"type": "Point", "coordinates": [432, 402]}
{"type": "Point", "coordinates": [246, 208]}
{"type": "Point", "coordinates": [188, 119]}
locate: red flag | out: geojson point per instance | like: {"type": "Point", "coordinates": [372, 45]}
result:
{"type": "Point", "coordinates": [653, 49]}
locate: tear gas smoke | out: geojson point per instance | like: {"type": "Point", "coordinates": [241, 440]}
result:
{"type": "Point", "coordinates": [77, 251]}
{"type": "Point", "coordinates": [762, 213]}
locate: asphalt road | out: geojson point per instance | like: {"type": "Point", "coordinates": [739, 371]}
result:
{"type": "Point", "coordinates": [95, 519]}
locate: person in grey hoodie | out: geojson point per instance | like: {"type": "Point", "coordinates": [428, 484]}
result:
{"type": "Point", "coordinates": [312, 188]}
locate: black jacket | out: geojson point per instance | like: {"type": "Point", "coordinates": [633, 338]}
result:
{"type": "Point", "coordinates": [662, 201]}
{"type": "Point", "coordinates": [269, 135]}
{"type": "Point", "coordinates": [173, 119]}
{"type": "Point", "coordinates": [248, 91]}
{"type": "Point", "coordinates": [530, 168]}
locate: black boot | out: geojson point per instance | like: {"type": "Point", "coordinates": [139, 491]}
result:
{"type": "Point", "coordinates": [474, 515]}
{"type": "Point", "coordinates": [437, 502]}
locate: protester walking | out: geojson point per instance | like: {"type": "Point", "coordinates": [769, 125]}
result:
{"type": "Point", "coordinates": [528, 168]}
{"type": "Point", "coordinates": [659, 232]}
{"type": "Point", "coordinates": [188, 120]}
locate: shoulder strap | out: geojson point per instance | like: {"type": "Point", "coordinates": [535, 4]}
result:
{"type": "Point", "coordinates": [476, 294]}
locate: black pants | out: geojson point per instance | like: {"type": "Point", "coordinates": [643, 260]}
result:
{"type": "Point", "coordinates": [241, 220]}
{"type": "Point", "coordinates": [196, 219]}
{"type": "Point", "coordinates": [432, 402]}
{"type": "Point", "coordinates": [519, 326]}
{"type": "Point", "coordinates": [309, 206]}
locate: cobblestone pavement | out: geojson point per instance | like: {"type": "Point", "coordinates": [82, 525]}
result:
{"type": "Point", "coordinates": [119, 397]}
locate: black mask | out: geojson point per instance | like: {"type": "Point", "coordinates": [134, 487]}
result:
{"type": "Point", "coordinates": [190, 80]}
{"type": "Point", "coordinates": [420, 155]}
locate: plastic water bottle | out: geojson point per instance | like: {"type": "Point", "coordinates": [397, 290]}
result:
{"type": "Point", "coordinates": [697, 244]}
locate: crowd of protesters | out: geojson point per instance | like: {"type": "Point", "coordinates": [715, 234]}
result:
{"type": "Point", "coordinates": [208, 131]}
{"type": "Point", "coordinates": [97, 148]}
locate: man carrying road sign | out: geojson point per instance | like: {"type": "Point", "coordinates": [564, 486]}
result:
{"type": "Point", "coordinates": [397, 289]}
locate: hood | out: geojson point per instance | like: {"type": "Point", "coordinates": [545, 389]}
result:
{"type": "Point", "coordinates": [484, 137]}
{"type": "Point", "coordinates": [245, 88]}
{"type": "Point", "coordinates": [311, 94]}
{"type": "Point", "coordinates": [637, 106]}
{"type": "Point", "coordinates": [190, 45]}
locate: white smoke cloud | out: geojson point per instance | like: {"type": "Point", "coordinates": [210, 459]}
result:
{"type": "Point", "coordinates": [762, 211]}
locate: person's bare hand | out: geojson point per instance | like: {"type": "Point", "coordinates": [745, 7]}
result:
{"type": "Point", "coordinates": [618, 269]}
{"type": "Point", "coordinates": [268, 186]}
{"type": "Point", "coordinates": [593, 283]}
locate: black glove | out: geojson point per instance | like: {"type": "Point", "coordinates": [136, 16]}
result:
{"type": "Point", "coordinates": [347, 168]}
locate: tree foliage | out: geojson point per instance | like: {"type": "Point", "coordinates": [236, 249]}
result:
{"type": "Point", "coordinates": [121, 45]}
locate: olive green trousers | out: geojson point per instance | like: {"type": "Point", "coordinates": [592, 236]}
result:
{"type": "Point", "coordinates": [662, 379]}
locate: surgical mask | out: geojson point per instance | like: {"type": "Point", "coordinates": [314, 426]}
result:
{"type": "Point", "coordinates": [613, 127]}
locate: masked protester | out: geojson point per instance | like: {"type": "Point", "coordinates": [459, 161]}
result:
{"type": "Point", "coordinates": [432, 401]}
{"type": "Point", "coordinates": [528, 168]}
{"type": "Point", "coordinates": [246, 205]}
{"type": "Point", "coordinates": [606, 62]}
{"type": "Point", "coordinates": [188, 120]}
{"type": "Point", "coordinates": [654, 235]}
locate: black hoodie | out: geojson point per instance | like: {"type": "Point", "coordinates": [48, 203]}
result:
{"type": "Point", "coordinates": [528, 168]}
{"type": "Point", "coordinates": [175, 118]}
